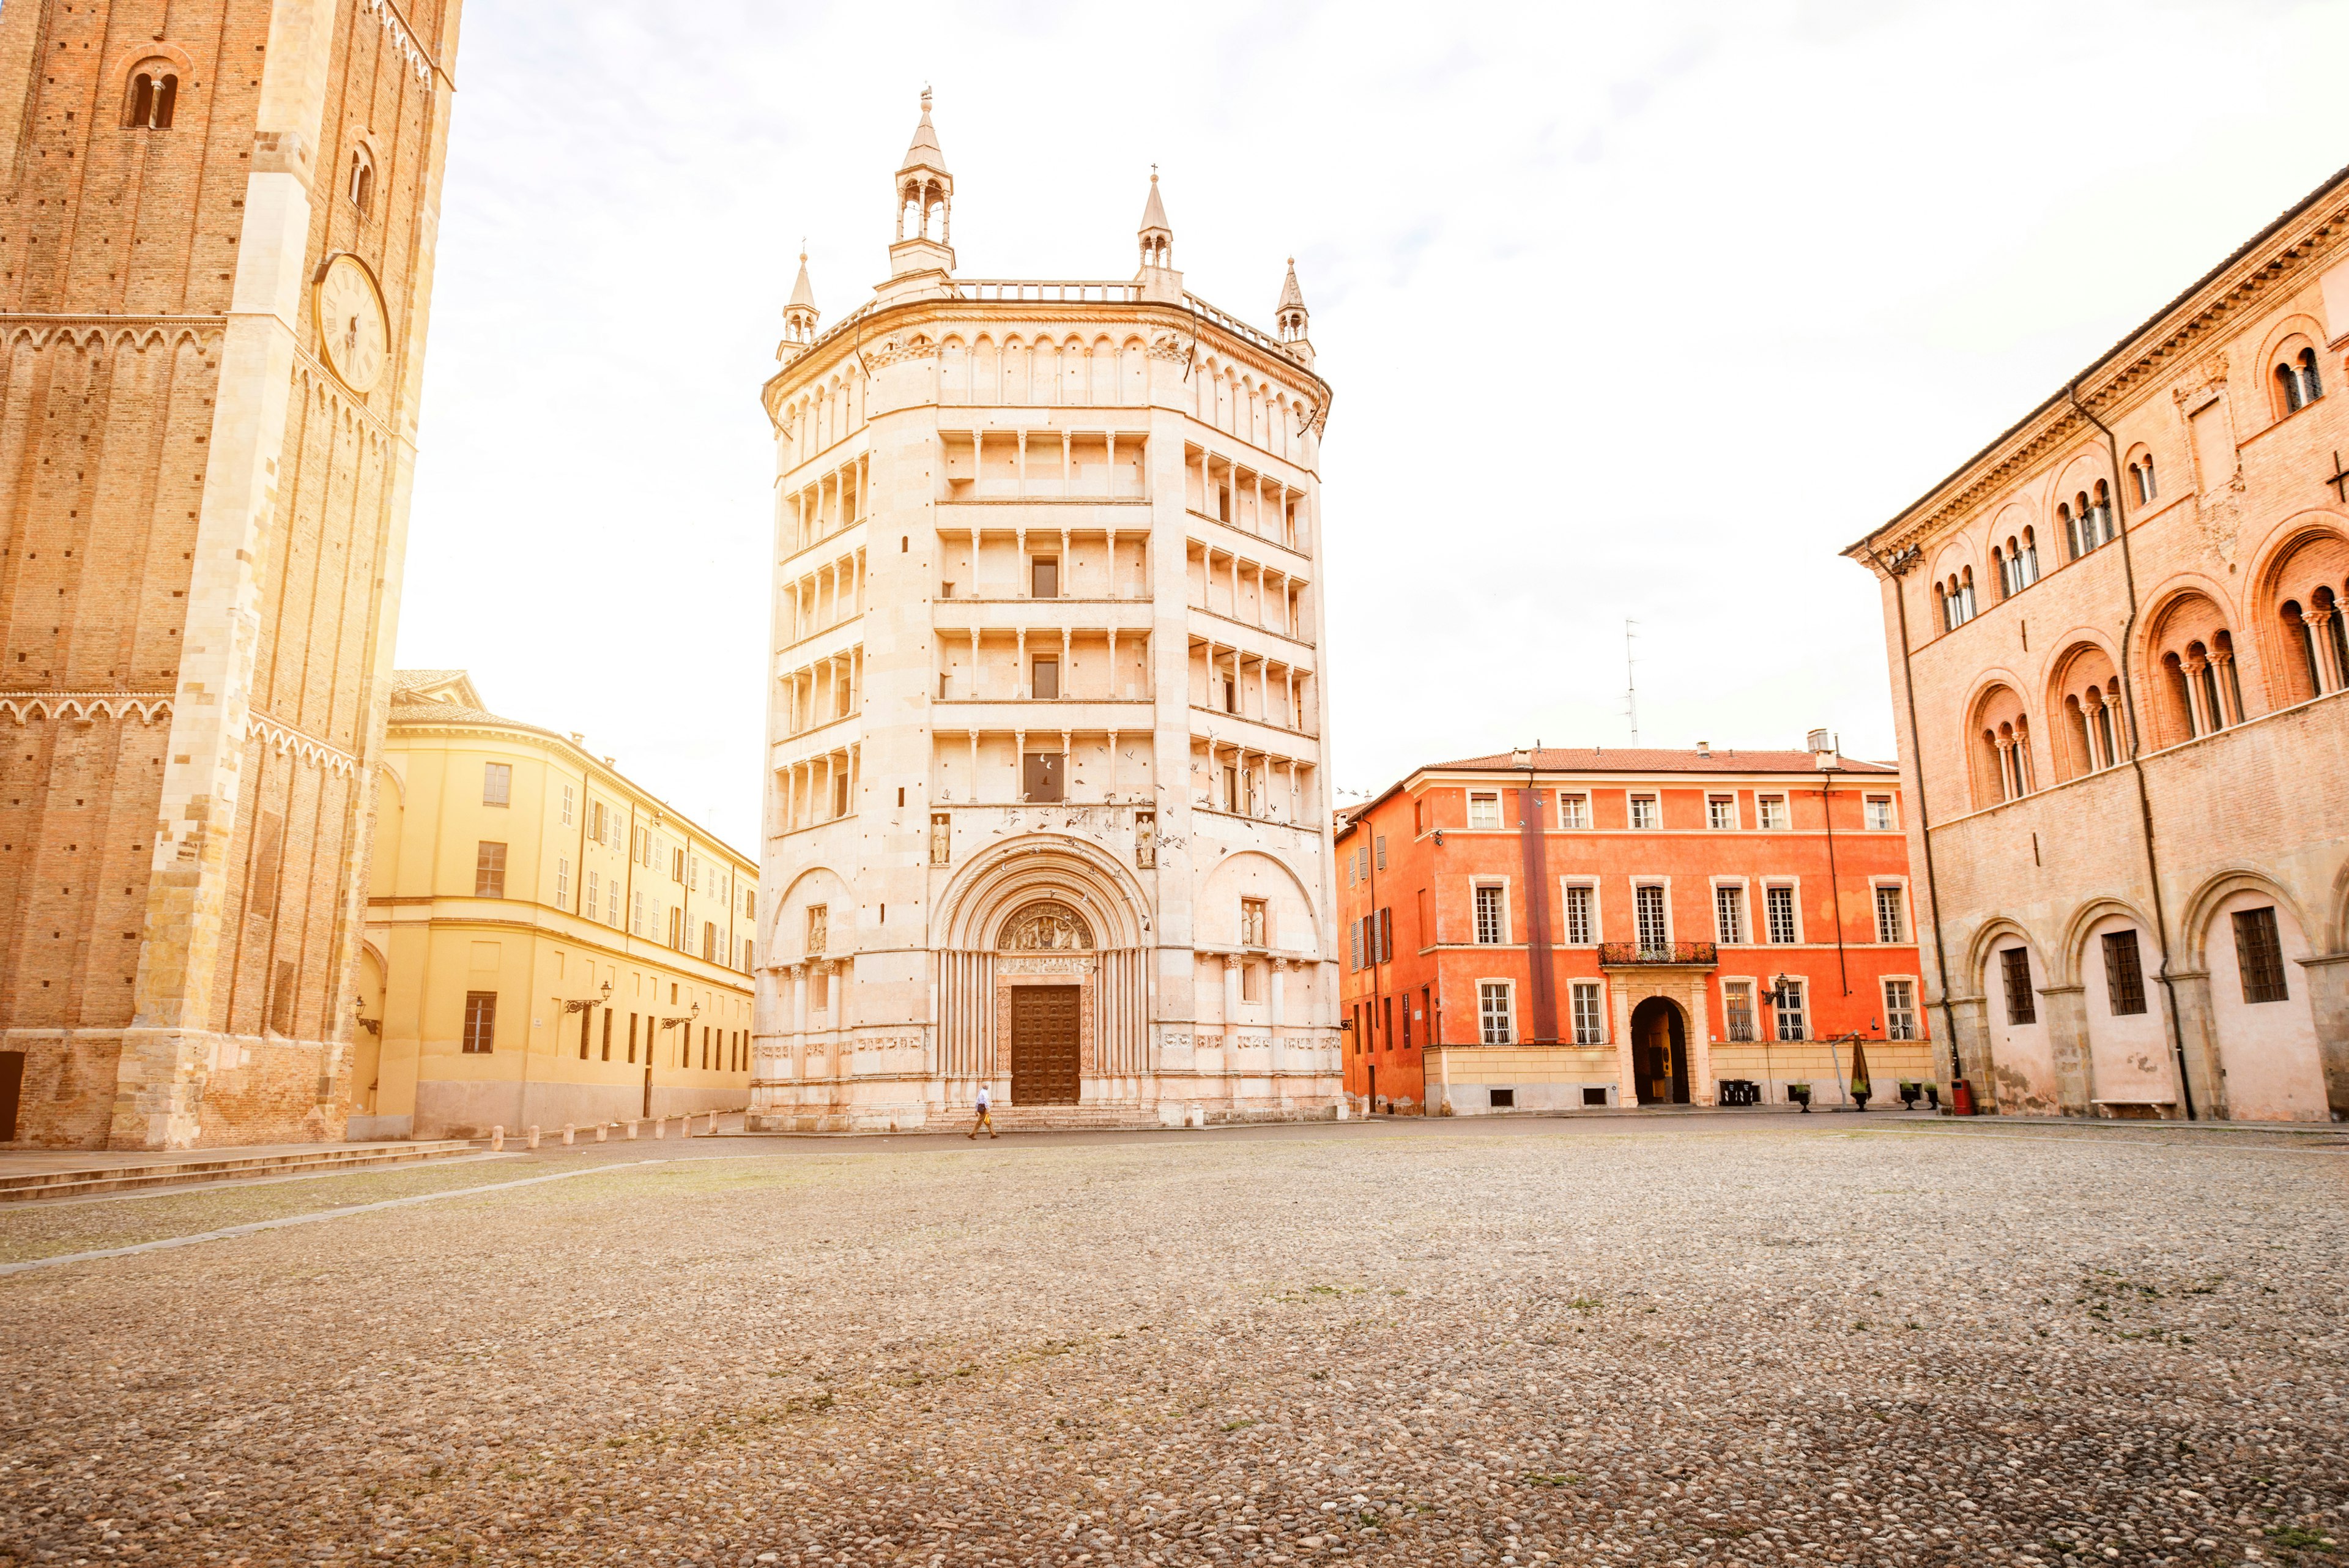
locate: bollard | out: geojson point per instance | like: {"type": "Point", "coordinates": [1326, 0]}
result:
{"type": "Point", "coordinates": [684, 1124]}
{"type": "Point", "coordinates": [600, 1130]}
{"type": "Point", "coordinates": [570, 1130]}
{"type": "Point", "coordinates": [713, 1124]}
{"type": "Point", "coordinates": [497, 1139]}
{"type": "Point", "coordinates": [660, 1126]}
{"type": "Point", "coordinates": [632, 1129]}
{"type": "Point", "coordinates": [533, 1134]}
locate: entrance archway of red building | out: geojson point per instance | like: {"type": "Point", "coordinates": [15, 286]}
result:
{"type": "Point", "coordinates": [1659, 1052]}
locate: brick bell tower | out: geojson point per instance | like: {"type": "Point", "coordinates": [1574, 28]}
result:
{"type": "Point", "coordinates": [214, 267]}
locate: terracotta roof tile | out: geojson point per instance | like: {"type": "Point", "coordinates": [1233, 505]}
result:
{"type": "Point", "coordinates": [1654, 760]}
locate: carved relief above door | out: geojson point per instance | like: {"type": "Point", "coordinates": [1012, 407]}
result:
{"type": "Point", "coordinates": [1046, 928]}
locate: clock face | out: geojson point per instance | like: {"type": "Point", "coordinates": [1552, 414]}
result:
{"type": "Point", "coordinates": [353, 336]}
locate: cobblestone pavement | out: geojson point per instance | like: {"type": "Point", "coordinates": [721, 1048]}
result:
{"type": "Point", "coordinates": [1552, 1343]}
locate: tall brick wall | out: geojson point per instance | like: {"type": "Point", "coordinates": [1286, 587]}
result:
{"type": "Point", "coordinates": [199, 537]}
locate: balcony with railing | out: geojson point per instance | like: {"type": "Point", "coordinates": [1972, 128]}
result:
{"type": "Point", "coordinates": [1681, 955]}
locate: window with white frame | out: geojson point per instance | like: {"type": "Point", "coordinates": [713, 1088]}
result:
{"type": "Point", "coordinates": [1900, 1010]}
{"type": "Point", "coordinates": [1484, 810]}
{"type": "Point", "coordinates": [1790, 1011]}
{"type": "Point", "coordinates": [1492, 1011]}
{"type": "Point", "coordinates": [497, 783]}
{"type": "Point", "coordinates": [594, 911]}
{"type": "Point", "coordinates": [1892, 918]}
{"type": "Point", "coordinates": [1573, 810]}
{"type": "Point", "coordinates": [1729, 915]}
{"type": "Point", "coordinates": [1645, 812]}
{"type": "Point", "coordinates": [1491, 914]}
{"type": "Point", "coordinates": [1779, 910]}
{"type": "Point", "coordinates": [1652, 929]}
{"type": "Point", "coordinates": [1588, 1028]}
{"type": "Point", "coordinates": [1880, 813]}
{"type": "Point", "coordinates": [1737, 1008]}
{"type": "Point", "coordinates": [1581, 919]}
{"type": "Point", "coordinates": [561, 884]}
{"type": "Point", "coordinates": [1721, 812]}
{"type": "Point", "coordinates": [1771, 809]}
{"type": "Point", "coordinates": [566, 805]}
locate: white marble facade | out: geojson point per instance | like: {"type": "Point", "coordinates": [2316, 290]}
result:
{"type": "Point", "coordinates": [1047, 706]}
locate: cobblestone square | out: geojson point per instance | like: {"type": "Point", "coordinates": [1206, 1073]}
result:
{"type": "Point", "coordinates": [1712, 1340]}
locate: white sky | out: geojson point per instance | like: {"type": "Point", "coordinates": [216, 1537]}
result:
{"type": "Point", "coordinates": [1631, 311]}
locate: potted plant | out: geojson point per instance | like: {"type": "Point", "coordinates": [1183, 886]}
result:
{"type": "Point", "coordinates": [1910, 1090]}
{"type": "Point", "coordinates": [1861, 1089]}
{"type": "Point", "coordinates": [1801, 1095]}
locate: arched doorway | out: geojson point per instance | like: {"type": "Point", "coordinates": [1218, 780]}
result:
{"type": "Point", "coordinates": [1047, 998]}
{"type": "Point", "coordinates": [1659, 1052]}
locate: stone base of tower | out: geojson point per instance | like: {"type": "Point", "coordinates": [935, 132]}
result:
{"type": "Point", "coordinates": [1169, 1100]}
{"type": "Point", "coordinates": [174, 1088]}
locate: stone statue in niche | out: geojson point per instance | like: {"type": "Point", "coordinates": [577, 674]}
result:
{"type": "Point", "coordinates": [1047, 928]}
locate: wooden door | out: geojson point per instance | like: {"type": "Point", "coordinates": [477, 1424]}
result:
{"type": "Point", "coordinates": [12, 1089]}
{"type": "Point", "coordinates": [1044, 1067]}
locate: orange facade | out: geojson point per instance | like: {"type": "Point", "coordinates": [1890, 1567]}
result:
{"type": "Point", "coordinates": [1565, 930]}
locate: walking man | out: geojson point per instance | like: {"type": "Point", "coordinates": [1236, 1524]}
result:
{"type": "Point", "coordinates": [984, 1121]}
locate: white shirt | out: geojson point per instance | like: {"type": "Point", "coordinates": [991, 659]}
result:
{"type": "Point", "coordinates": [982, 1097]}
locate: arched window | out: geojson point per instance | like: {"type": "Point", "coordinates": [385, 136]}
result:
{"type": "Point", "coordinates": [1966, 593]}
{"type": "Point", "coordinates": [2027, 560]}
{"type": "Point", "coordinates": [2298, 634]}
{"type": "Point", "coordinates": [2104, 713]}
{"type": "Point", "coordinates": [1998, 569]}
{"type": "Point", "coordinates": [361, 189]}
{"type": "Point", "coordinates": [2312, 385]}
{"type": "Point", "coordinates": [2196, 692]}
{"type": "Point", "coordinates": [154, 92]}
{"type": "Point", "coordinates": [2141, 479]}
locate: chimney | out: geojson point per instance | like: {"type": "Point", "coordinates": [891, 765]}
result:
{"type": "Point", "coordinates": [1704, 748]}
{"type": "Point", "coordinates": [1817, 741]}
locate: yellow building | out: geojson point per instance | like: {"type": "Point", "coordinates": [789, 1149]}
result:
{"type": "Point", "coordinates": [546, 942]}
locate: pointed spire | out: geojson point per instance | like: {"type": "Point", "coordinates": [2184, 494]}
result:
{"type": "Point", "coordinates": [1154, 212]}
{"type": "Point", "coordinates": [1289, 315]}
{"type": "Point", "coordinates": [925, 152]}
{"type": "Point", "coordinates": [925, 197]}
{"type": "Point", "coordinates": [1157, 238]}
{"type": "Point", "coordinates": [799, 312]}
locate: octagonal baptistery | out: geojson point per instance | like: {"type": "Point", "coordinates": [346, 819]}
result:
{"type": "Point", "coordinates": [1046, 807]}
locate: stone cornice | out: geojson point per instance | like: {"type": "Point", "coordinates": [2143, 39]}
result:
{"type": "Point", "coordinates": [880, 341]}
{"type": "Point", "coordinates": [2280, 255]}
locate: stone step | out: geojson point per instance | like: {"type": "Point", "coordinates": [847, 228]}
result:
{"type": "Point", "coordinates": [169, 1171]}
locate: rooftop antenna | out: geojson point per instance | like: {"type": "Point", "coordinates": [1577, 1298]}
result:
{"type": "Point", "coordinates": [1630, 681]}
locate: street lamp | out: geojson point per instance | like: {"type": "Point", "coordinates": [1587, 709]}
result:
{"type": "Point", "coordinates": [665, 1025]}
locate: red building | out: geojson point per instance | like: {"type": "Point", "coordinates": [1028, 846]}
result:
{"type": "Point", "coordinates": [1556, 930]}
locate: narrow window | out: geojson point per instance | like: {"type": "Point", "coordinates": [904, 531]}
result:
{"type": "Point", "coordinates": [1790, 1011]}
{"type": "Point", "coordinates": [1484, 810]}
{"type": "Point", "coordinates": [1880, 813]}
{"type": "Point", "coordinates": [1046, 685]}
{"type": "Point", "coordinates": [361, 189]}
{"type": "Point", "coordinates": [2311, 385]}
{"type": "Point", "coordinates": [2123, 973]}
{"type": "Point", "coordinates": [497, 783]}
{"type": "Point", "coordinates": [1493, 1011]}
{"type": "Point", "coordinates": [1900, 1010]}
{"type": "Point", "coordinates": [632, 1038]}
{"type": "Point", "coordinates": [1644, 812]}
{"type": "Point", "coordinates": [1648, 916]}
{"type": "Point", "coordinates": [1779, 910]}
{"type": "Point", "coordinates": [282, 998]}
{"type": "Point", "coordinates": [2288, 378]}
{"type": "Point", "coordinates": [2104, 732]}
{"type": "Point", "coordinates": [1721, 812]}
{"type": "Point", "coordinates": [1489, 915]}
{"type": "Point", "coordinates": [1891, 922]}
{"type": "Point", "coordinates": [1378, 846]}
{"type": "Point", "coordinates": [489, 871]}
{"type": "Point", "coordinates": [1737, 1008]}
{"type": "Point", "coordinates": [593, 908]}
{"type": "Point", "coordinates": [481, 1021]}
{"type": "Point", "coordinates": [2261, 955]}
{"type": "Point", "coordinates": [1044, 577]}
{"type": "Point", "coordinates": [1574, 811]}
{"type": "Point", "coordinates": [561, 884]}
{"type": "Point", "coordinates": [2014, 966]}
{"type": "Point", "coordinates": [1729, 915]}
{"type": "Point", "coordinates": [1578, 917]}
